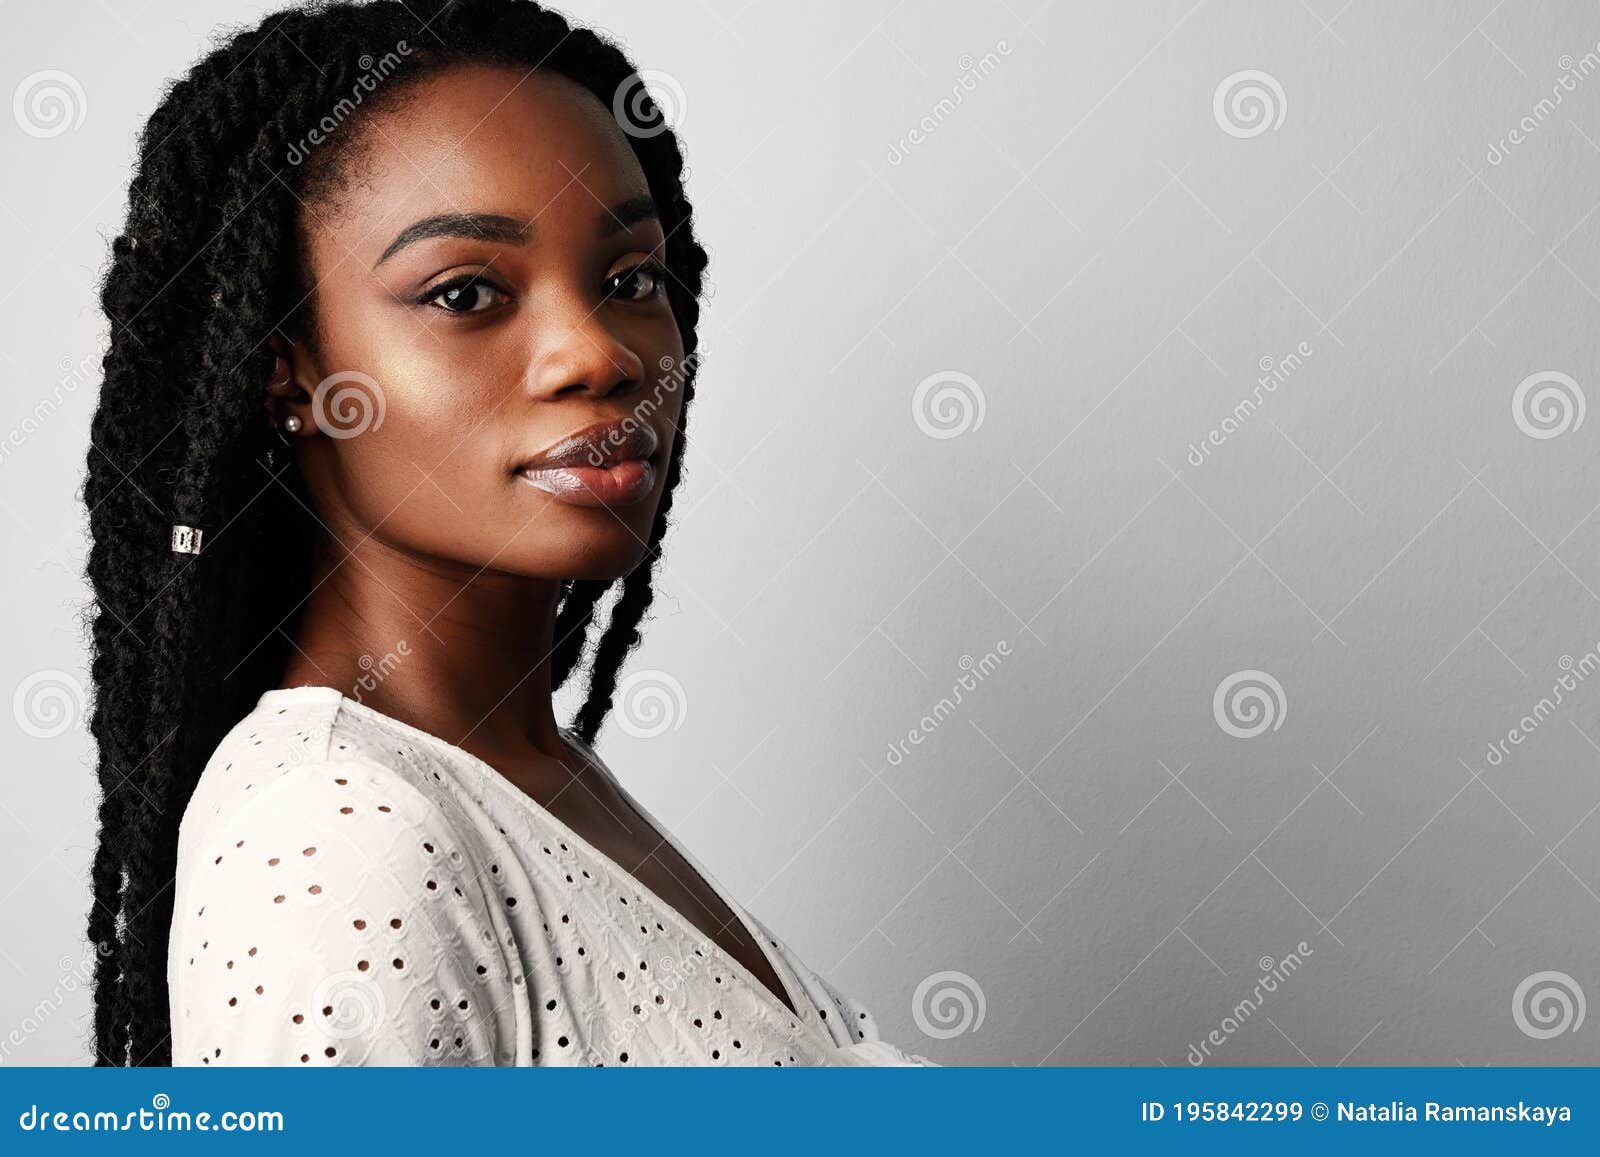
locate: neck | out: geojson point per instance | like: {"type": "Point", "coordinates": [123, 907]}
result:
{"type": "Point", "coordinates": [463, 653]}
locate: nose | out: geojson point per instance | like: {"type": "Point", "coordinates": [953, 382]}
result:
{"type": "Point", "coordinates": [576, 351]}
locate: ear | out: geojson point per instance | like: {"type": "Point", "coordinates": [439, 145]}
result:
{"type": "Point", "coordinates": [287, 393]}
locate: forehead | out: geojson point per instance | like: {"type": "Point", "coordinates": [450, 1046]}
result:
{"type": "Point", "coordinates": [478, 138]}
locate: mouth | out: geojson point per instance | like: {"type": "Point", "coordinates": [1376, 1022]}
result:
{"type": "Point", "coordinates": [604, 464]}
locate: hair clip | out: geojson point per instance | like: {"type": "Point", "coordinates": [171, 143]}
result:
{"type": "Point", "coordinates": [186, 539]}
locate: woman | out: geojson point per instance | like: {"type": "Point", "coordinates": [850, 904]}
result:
{"type": "Point", "coordinates": [403, 349]}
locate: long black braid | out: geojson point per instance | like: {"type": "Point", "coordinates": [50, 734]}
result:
{"type": "Point", "coordinates": [184, 644]}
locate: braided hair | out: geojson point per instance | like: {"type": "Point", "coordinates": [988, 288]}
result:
{"type": "Point", "coordinates": [184, 644]}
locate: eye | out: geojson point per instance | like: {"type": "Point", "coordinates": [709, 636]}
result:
{"type": "Point", "coordinates": [470, 294]}
{"type": "Point", "coordinates": [639, 283]}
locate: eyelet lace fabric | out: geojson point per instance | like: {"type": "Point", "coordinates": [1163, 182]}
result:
{"type": "Point", "coordinates": [352, 890]}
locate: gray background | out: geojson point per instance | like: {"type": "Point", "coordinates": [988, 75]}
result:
{"type": "Point", "coordinates": [1079, 864]}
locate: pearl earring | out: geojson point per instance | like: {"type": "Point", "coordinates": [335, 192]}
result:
{"type": "Point", "coordinates": [293, 423]}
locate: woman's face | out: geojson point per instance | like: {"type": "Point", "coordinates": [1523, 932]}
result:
{"type": "Point", "coordinates": [490, 282]}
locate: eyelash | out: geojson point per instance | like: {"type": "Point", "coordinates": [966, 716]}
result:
{"type": "Point", "coordinates": [657, 271]}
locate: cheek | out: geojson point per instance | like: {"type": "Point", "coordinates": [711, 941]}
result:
{"type": "Point", "coordinates": [443, 415]}
{"type": "Point", "coordinates": [427, 461]}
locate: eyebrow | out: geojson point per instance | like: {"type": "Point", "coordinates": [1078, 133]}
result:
{"type": "Point", "coordinates": [622, 216]}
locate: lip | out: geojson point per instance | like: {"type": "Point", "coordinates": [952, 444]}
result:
{"type": "Point", "coordinates": [601, 444]}
{"type": "Point", "coordinates": [603, 464]}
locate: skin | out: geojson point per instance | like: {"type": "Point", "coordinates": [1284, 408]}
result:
{"type": "Point", "coordinates": [429, 537]}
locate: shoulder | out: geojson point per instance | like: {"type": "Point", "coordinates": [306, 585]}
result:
{"type": "Point", "coordinates": [295, 804]}
{"type": "Point", "coordinates": [333, 918]}
{"type": "Point", "coordinates": [350, 815]}
{"type": "Point", "coordinates": [269, 743]}
{"type": "Point", "coordinates": [299, 765]}
{"type": "Point", "coordinates": [328, 911]}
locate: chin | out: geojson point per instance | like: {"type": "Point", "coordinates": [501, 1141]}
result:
{"type": "Point", "coordinates": [597, 547]}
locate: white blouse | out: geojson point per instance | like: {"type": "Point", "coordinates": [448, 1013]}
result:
{"type": "Point", "coordinates": [352, 890]}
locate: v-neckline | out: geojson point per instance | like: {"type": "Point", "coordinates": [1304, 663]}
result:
{"type": "Point", "coordinates": [493, 775]}
{"type": "Point", "coordinates": [661, 831]}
